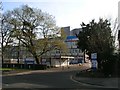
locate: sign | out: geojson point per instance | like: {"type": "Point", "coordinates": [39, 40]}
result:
{"type": "Point", "coordinates": [29, 61]}
{"type": "Point", "coordinates": [94, 61]}
{"type": "Point", "coordinates": [94, 56]}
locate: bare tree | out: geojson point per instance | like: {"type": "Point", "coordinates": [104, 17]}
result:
{"type": "Point", "coordinates": [6, 34]}
{"type": "Point", "coordinates": [34, 29]}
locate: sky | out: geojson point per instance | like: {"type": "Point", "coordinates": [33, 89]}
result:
{"type": "Point", "coordinates": [70, 12]}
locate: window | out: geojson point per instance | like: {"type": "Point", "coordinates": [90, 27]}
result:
{"type": "Point", "coordinates": [57, 51]}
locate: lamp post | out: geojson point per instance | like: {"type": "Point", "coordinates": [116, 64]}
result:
{"type": "Point", "coordinates": [18, 57]}
{"type": "Point", "coordinates": [119, 38]}
{"type": "Point", "coordinates": [84, 55]}
{"type": "Point", "coordinates": [60, 57]}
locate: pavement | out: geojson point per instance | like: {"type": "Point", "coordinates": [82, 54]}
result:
{"type": "Point", "coordinates": [98, 82]}
{"type": "Point", "coordinates": [109, 82]}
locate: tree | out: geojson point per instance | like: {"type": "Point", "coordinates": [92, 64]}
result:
{"type": "Point", "coordinates": [96, 37]}
{"type": "Point", "coordinates": [5, 32]}
{"type": "Point", "coordinates": [34, 29]}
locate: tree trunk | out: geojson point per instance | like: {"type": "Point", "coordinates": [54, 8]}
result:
{"type": "Point", "coordinates": [50, 62]}
{"type": "Point", "coordinates": [36, 59]}
{"type": "Point", "coordinates": [2, 56]}
{"type": "Point", "coordinates": [84, 57]}
{"type": "Point", "coordinates": [99, 65]}
{"type": "Point", "coordinates": [18, 57]}
{"type": "Point", "coordinates": [41, 60]}
{"type": "Point", "coordinates": [2, 50]}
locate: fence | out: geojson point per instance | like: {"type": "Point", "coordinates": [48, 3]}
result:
{"type": "Point", "coordinates": [25, 66]}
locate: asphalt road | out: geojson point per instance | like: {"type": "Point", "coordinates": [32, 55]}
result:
{"type": "Point", "coordinates": [36, 81]}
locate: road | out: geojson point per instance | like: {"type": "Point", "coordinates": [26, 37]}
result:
{"type": "Point", "coordinates": [37, 80]}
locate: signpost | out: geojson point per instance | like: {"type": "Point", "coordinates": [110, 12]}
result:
{"type": "Point", "coordinates": [94, 61]}
{"type": "Point", "coordinates": [29, 61]}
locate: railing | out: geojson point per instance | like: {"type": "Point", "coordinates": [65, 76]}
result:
{"type": "Point", "coordinates": [25, 66]}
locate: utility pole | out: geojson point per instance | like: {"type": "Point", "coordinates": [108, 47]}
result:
{"type": "Point", "coordinates": [84, 55]}
{"type": "Point", "coordinates": [119, 38]}
{"type": "Point", "coordinates": [18, 57]}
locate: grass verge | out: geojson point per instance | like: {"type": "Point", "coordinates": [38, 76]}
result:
{"type": "Point", "coordinates": [2, 69]}
{"type": "Point", "coordinates": [91, 74]}
{"type": "Point", "coordinates": [6, 71]}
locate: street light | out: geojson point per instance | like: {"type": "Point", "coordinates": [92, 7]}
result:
{"type": "Point", "coordinates": [119, 38]}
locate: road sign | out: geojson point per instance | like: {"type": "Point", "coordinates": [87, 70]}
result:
{"type": "Point", "coordinates": [94, 61]}
{"type": "Point", "coordinates": [94, 56]}
{"type": "Point", "coordinates": [29, 61]}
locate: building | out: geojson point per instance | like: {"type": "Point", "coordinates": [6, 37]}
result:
{"type": "Point", "coordinates": [71, 42]}
{"type": "Point", "coordinates": [75, 31]}
{"type": "Point", "coordinates": [56, 57]}
{"type": "Point", "coordinates": [74, 55]}
{"type": "Point", "coordinates": [15, 54]}
{"type": "Point", "coordinates": [66, 30]}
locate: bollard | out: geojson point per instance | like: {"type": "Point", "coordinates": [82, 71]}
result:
{"type": "Point", "coordinates": [13, 65]}
{"type": "Point", "coordinates": [21, 66]}
{"type": "Point", "coordinates": [62, 67]}
{"type": "Point", "coordinates": [7, 65]}
{"type": "Point", "coordinates": [29, 66]}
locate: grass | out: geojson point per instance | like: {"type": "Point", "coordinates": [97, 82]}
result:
{"type": "Point", "coordinates": [2, 69]}
{"type": "Point", "coordinates": [14, 69]}
{"type": "Point", "coordinates": [6, 71]}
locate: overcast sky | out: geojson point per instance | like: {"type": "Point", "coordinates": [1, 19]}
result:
{"type": "Point", "coordinates": [71, 12]}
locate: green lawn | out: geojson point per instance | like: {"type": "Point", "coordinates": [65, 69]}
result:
{"type": "Point", "coordinates": [6, 69]}
{"type": "Point", "coordinates": [91, 74]}
{"type": "Point", "coordinates": [13, 69]}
